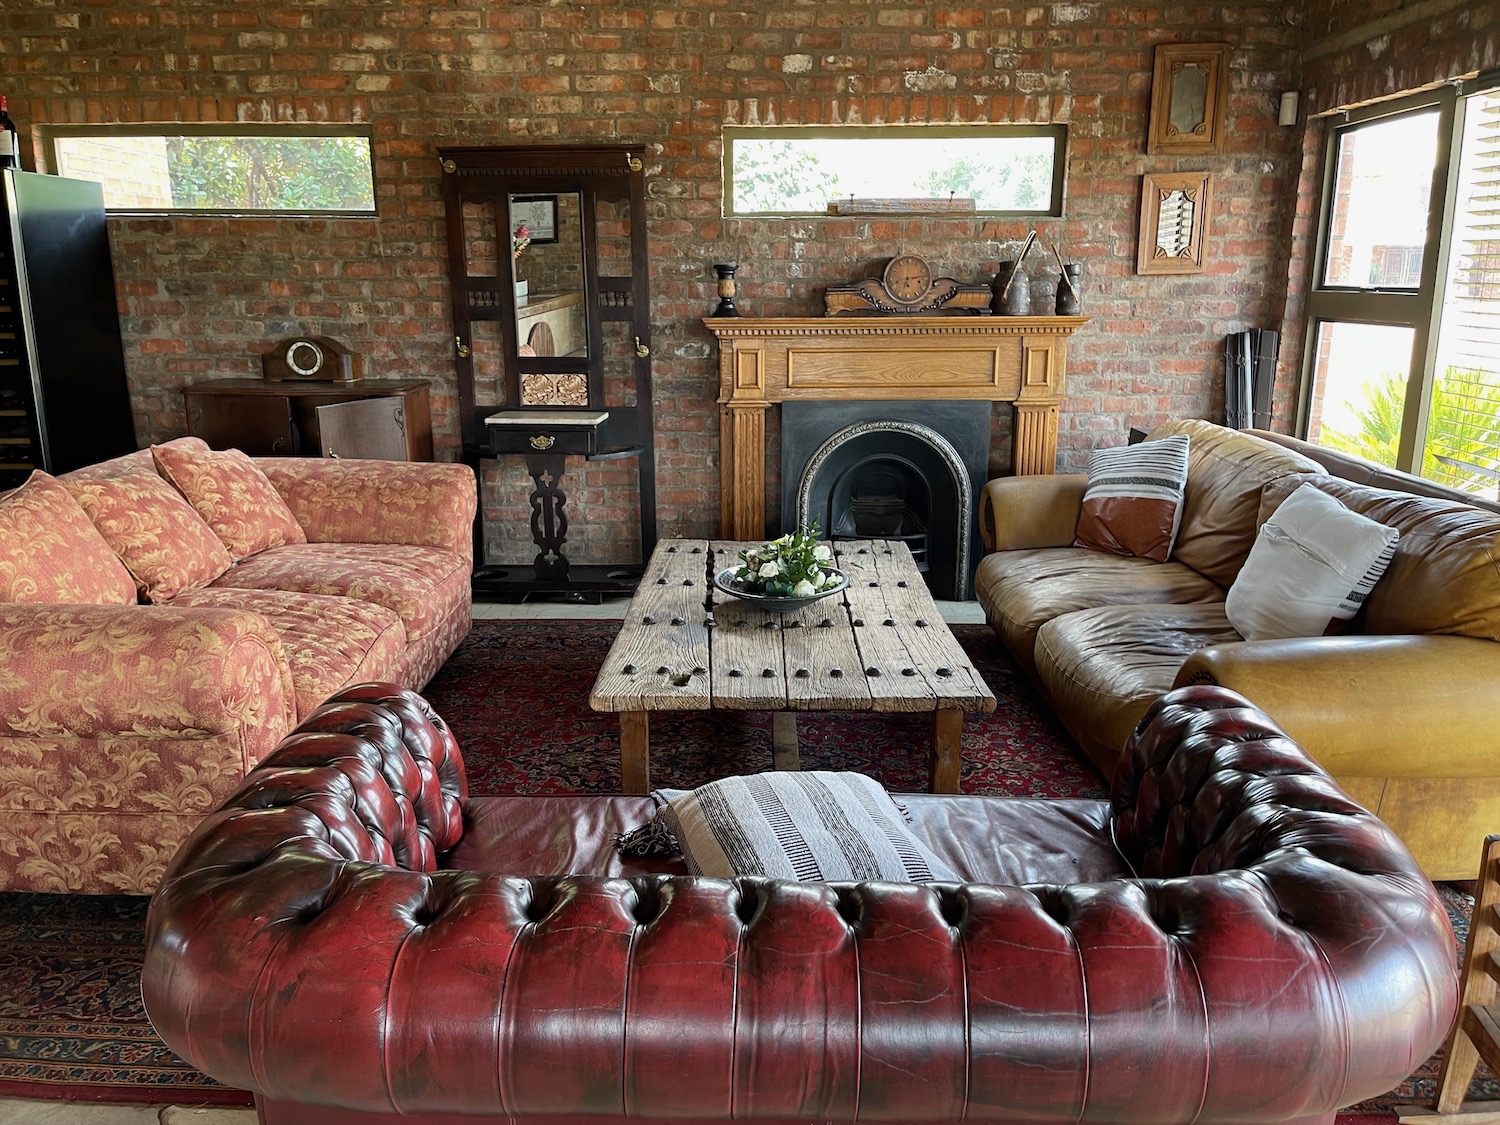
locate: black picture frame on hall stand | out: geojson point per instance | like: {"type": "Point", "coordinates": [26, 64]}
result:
{"type": "Point", "coordinates": [539, 215]}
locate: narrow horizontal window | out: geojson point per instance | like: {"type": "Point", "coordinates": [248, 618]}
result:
{"type": "Point", "coordinates": [239, 170]}
{"type": "Point", "coordinates": [983, 169]}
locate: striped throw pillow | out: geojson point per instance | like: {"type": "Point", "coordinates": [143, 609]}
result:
{"type": "Point", "coordinates": [812, 827]}
{"type": "Point", "coordinates": [1133, 502]}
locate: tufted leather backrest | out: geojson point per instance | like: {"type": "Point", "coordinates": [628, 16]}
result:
{"type": "Point", "coordinates": [1282, 957]}
{"type": "Point", "coordinates": [374, 774]}
{"type": "Point", "coordinates": [1209, 783]}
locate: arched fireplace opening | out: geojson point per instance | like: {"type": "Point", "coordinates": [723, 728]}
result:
{"type": "Point", "coordinates": [908, 471]}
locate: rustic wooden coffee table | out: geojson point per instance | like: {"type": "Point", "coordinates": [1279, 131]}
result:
{"type": "Point", "coordinates": [879, 645]}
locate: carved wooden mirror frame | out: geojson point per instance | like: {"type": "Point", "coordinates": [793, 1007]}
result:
{"type": "Point", "coordinates": [1189, 96]}
{"type": "Point", "coordinates": [1174, 222]}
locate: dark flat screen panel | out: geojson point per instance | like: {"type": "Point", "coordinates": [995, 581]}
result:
{"type": "Point", "coordinates": [70, 291]}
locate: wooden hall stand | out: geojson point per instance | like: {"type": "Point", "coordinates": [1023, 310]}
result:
{"type": "Point", "coordinates": [879, 645]}
{"type": "Point", "coordinates": [763, 362]}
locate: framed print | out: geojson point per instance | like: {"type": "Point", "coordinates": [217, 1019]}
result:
{"type": "Point", "coordinates": [1189, 96]}
{"type": "Point", "coordinates": [1174, 222]}
{"type": "Point", "coordinates": [538, 212]}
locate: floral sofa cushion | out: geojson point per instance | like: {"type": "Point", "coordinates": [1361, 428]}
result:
{"type": "Point", "coordinates": [232, 495]}
{"type": "Point", "coordinates": [419, 583]}
{"type": "Point", "coordinates": [51, 552]}
{"type": "Point", "coordinates": [164, 543]}
{"type": "Point", "coordinates": [330, 643]}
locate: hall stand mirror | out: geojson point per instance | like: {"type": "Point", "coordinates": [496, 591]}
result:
{"type": "Point", "coordinates": [552, 340]}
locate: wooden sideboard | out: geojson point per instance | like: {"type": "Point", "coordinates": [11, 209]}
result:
{"type": "Point", "coordinates": [763, 362]}
{"type": "Point", "coordinates": [382, 419]}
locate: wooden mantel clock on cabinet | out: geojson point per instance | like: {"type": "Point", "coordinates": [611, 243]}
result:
{"type": "Point", "coordinates": [763, 362]}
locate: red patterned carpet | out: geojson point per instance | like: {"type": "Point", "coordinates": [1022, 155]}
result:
{"type": "Point", "coordinates": [71, 1023]}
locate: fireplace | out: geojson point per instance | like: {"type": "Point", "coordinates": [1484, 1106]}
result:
{"type": "Point", "coordinates": [903, 470]}
{"type": "Point", "coordinates": [764, 363]}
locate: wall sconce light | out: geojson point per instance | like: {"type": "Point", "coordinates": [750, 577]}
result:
{"type": "Point", "coordinates": [1288, 112]}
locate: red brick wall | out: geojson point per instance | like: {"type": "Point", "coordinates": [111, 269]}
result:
{"type": "Point", "coordinates": [202, 298]}
{"type": "Point", "coordinates": [1357, 53]}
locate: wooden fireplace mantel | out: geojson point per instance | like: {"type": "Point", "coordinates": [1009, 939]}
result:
{"type": "Point", "coordinates": [1016, 359]}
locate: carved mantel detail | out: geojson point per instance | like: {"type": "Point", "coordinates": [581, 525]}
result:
{"type": "Point", "coordinates": [1019, 359]}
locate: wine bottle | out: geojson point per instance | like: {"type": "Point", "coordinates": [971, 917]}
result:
{"type": "Point", "coordinates": [10, 150]}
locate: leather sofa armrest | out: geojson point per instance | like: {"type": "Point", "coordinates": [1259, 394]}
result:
{"type": "Point", "coordinates": [156, 671]}
{"type": "Point", "coordinates": [1425, 704]}
{"type": "Point", "coordinates": [1019, 513]}
{"type": "Point", "coordinates": [415, 503]}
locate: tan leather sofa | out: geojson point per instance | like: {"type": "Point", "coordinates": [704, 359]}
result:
{"type": "Point", "coordinates": [1403, 708]}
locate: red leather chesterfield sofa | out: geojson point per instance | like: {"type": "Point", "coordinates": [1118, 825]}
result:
{"type": "Point", "coordinates": [1228, 939]}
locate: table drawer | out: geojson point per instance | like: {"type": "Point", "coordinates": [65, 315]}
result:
{"type": "Point", "coordinates": [581, 441]}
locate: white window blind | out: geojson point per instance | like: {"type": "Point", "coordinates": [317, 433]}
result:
{"type": "Point", "coordinates": [1463, 427]}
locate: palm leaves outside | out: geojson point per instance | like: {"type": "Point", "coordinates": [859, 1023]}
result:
{"type": "Point", "coordinates": [1463, 429]}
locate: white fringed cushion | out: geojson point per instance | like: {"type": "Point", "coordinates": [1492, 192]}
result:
{"type": "Point", "coordinates": [1133, 502]}
{"type": "Point", "coordinates": [1314, 561]}
{"type": "Point", "coordinates": [812, 827]}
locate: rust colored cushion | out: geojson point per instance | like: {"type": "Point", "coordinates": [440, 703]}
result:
{"type": "Point", "coordinates": [164, 543]}
{"type": "Point", "coordinates": [232, 495]}
{"type": "Point", "coordinates": [1133, 503]}
{"type": "Point", "coordinates": [50, 552]}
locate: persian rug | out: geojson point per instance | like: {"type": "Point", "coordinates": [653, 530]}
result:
{"type": "Point", "coordinates": [516, 694]}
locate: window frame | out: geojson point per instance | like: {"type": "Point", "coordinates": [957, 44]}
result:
{"type": "Point", "coordinates": [1056, 199]}
{"type": "Point", "coordinates": [1419, 309]}
{"type": "Point", "coordinates": [48, 136]}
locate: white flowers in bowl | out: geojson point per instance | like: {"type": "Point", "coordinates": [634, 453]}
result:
{"type": "Point", "coordinates": [794, 566]}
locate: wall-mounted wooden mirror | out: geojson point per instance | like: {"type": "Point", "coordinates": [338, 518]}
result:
{"type": "Point", "coordinates": [551, 330]}
{"type": "Point", "coordinates": [1189, 95]}
{"type": "Point", "coordinates": [1174, 222]}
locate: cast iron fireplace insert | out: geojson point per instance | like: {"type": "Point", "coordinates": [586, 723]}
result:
{"type": "Point", "coordinates": [907, 470]}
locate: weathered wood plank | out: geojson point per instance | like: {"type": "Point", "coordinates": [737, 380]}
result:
{"type": "Point", "coordinates": [660, 659]}
{"type": "Point", "coordinates": [824, 669]}
{"type": "Point", "coordinates": [747, 670]}
{"type": "Point", "coordinates": [635, 752]}
{"type": "Point", "coordinates": [944, 766]}
{"type": "Point", "coordinates": [935, 653]}
{"type": "Point", "coordinates": [889, 666]}
{"type": "Point", "coordinates": [784, 751]}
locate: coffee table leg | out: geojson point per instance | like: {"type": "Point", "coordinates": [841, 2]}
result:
{"type": "Point", "coordinates": [635, 751]}
{"type": "Point", "coordinates": [947, 749]}
{"type": "Point", "coordinates": [784, 740]}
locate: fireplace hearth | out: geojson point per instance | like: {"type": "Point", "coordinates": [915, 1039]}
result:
{"type": "Point", "coordinates": [905, 470]}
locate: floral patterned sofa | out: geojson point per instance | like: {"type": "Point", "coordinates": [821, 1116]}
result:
{"type": "Point", "coordinates": [167, 616]}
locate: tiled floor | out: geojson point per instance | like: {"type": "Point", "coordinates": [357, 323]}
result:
{"type": "Point", "coordinates": [19, 1111]}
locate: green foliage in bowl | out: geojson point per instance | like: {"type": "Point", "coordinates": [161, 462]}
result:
{"type": "Point", "coordinates": [795, 566]}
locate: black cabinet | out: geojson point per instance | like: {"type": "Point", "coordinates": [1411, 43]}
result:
{"type": "Point", "coordinates": [64, 400]}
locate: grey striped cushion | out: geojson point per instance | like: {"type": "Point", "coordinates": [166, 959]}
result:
{"type": "Point", "coordinates": [816, 826]}
{"type": "Point", "coordinates": [1133, 502]}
